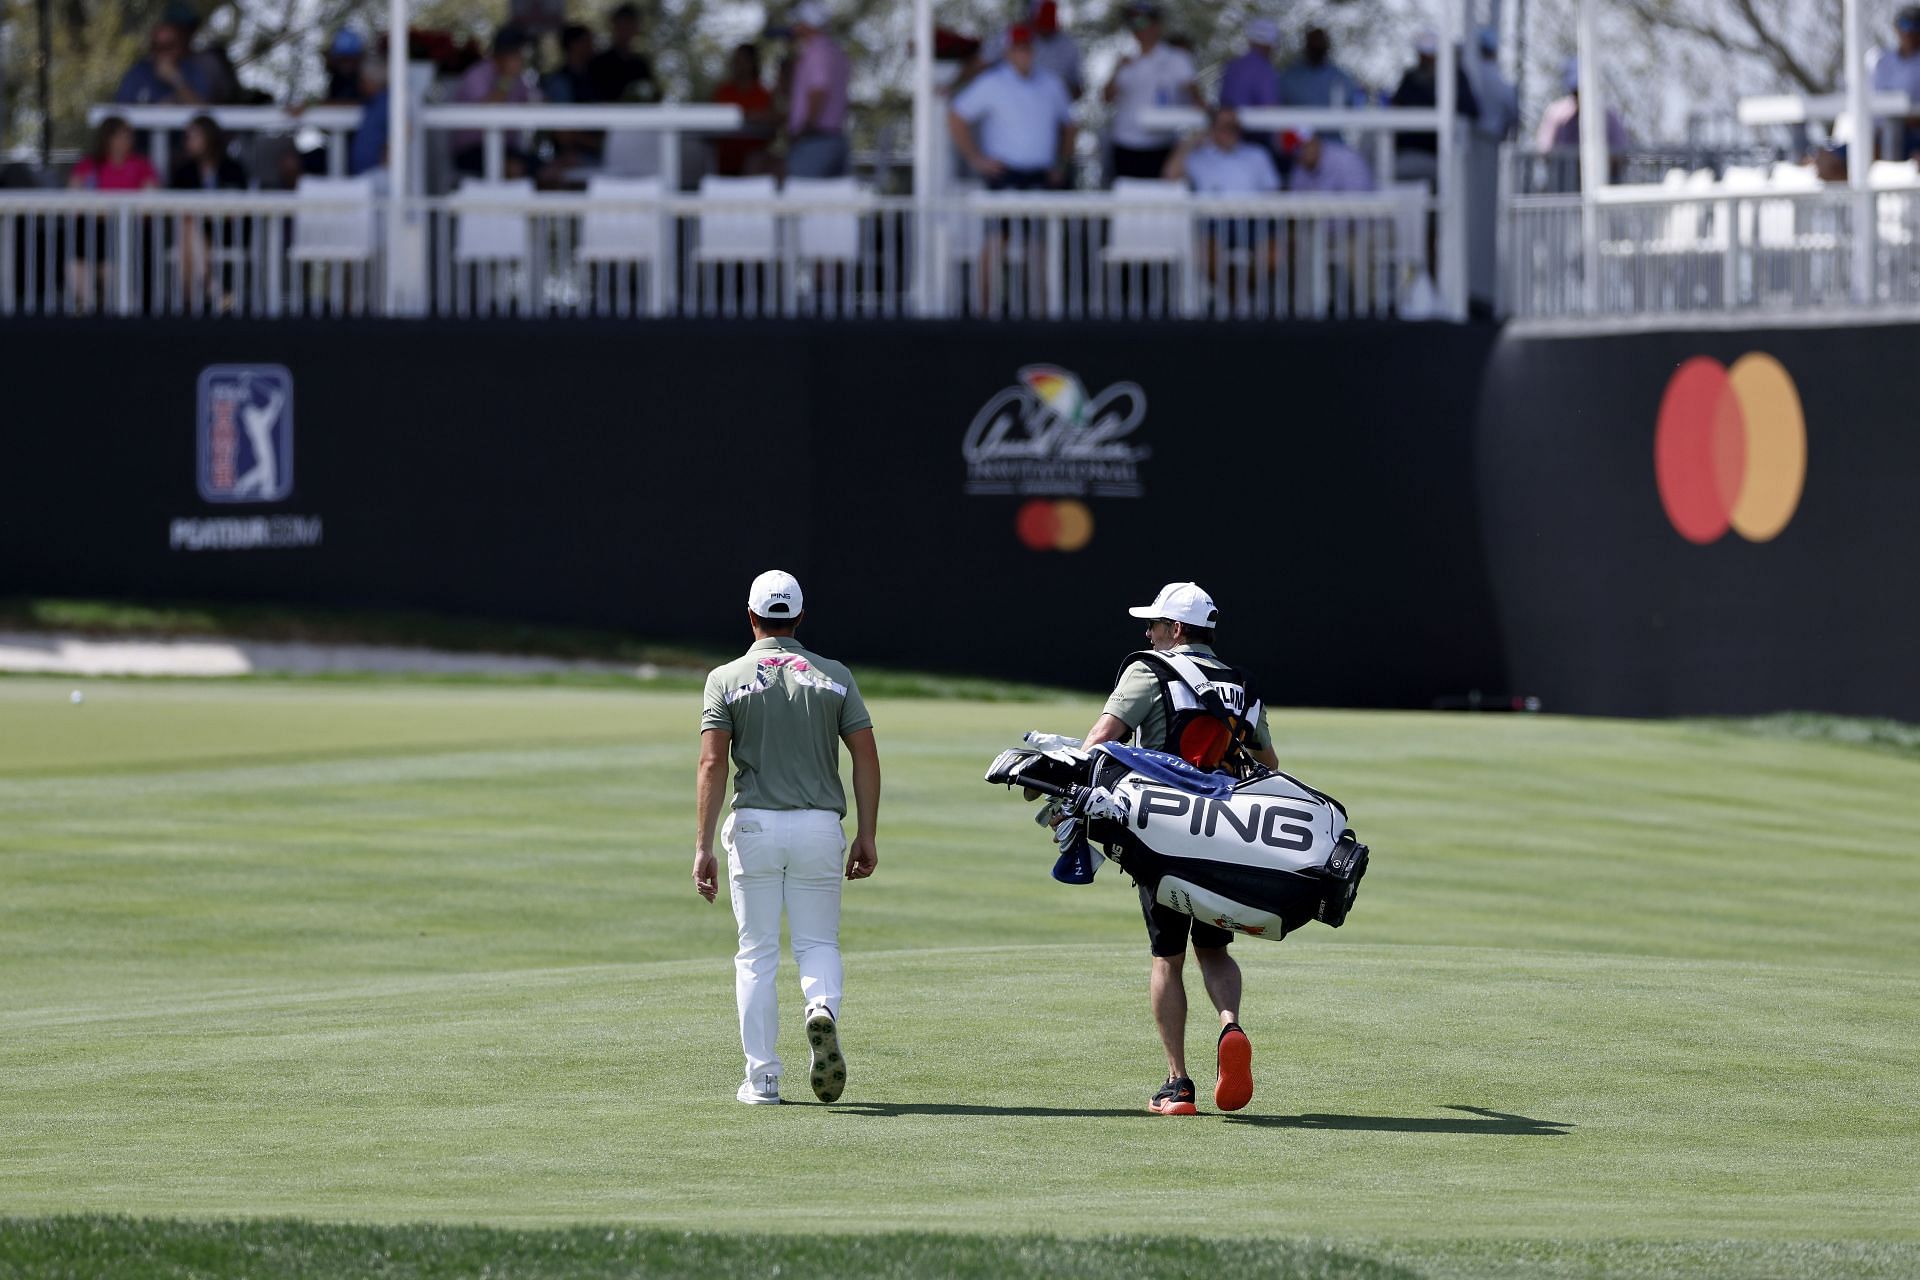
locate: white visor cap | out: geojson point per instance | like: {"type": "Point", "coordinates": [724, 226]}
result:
{"type": "Point", "coordinates": [1181, 602]}
{"type": "Point", "coordinates": [775, 594]}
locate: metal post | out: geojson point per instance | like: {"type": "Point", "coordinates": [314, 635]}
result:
{"type": "Point", "coordinates": [1860, 155]}
{"type": "Point", "coordinates": [1593, 151]}
{"type": "Point", "coordinates": [1450, 183]}
{"type": "Point", "coordinates": [406, 269]}
{"type": "Point", "coordinates": [925, 106]}
{"type": "Point", "coordinates": [46, 83]}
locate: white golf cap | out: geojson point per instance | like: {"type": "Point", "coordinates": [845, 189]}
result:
{"type": "Point", "coordinates": [1180, 602]}
{"type": "Point", "coordinates": [1263, 31]}
{"type": "Point", "coordinates": [810, 13]}
{"type": "Point", "coordinates": [1427, 42]}
{"type": "Point", "coordinates": [775, 594]}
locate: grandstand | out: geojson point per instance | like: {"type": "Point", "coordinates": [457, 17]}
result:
{"type": "Point", "coordinates": [1249, 317]}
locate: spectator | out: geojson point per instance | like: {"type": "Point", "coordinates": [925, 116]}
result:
{"type": "Point", "coordinates": [1025, 136]}
{"type": "Point", "coordinates": [1314, 80]}
{"type": "Point", "coordinates": [1053, 50]}
{"type": "Point", "coordinates": [1250, 80]}
{"type": "Point", "coordinates": [573, 81]}
{"type": "Point", "coordinates": [1499, 101]}
{"type": "Point", "coordinates": [1898, 71]}
{"type": "Point", "coordinates": [367, 149]}
{"type": "Point", "coordinates": [206, 165]}
{"type": "Point", "coordinates": [621, 73]}
{"type": "Point", "coordinates": [745, 152]}
{"type": "Point", "coordinates": [1830, 162]}
{"type": "Point", "coordinates": [1418, 153]}
{"type": "Point", "coordinates": [1220, 162]}
{"type": "Point", "coordinates": [346, 54]}
{"type": "Point", "coordinates": [112, 164]}
{"type": "Point", "coordinates": [1158, 76]}
{"type": "Point", "coordinates": [1560, 123]}
{"type": "Point", "coordinates": [1322, 162]}
{"type": "Point", "coordinates": [170, 73]}
{"type": "Point", "coordinates": [1023, 119]}
{"type": "Point", "coordinates": [500, 78]}
{"type": "Point", "coordinates": [817, 111]}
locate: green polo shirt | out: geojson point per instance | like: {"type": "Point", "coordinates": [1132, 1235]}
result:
{"type": "Point", "coordinates": [787, 710]}
{"type": "Point", "coordinates": [1137, 703]}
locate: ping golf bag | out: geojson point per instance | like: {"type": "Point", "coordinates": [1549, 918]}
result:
{"type": "Point", "coordinates": [1261, 855]}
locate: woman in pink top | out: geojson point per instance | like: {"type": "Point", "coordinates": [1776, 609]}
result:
{"type": "Point", "coordinates": [112, 165]}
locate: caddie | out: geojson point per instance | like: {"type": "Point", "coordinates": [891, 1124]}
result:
{"type": "Point", "coordinates": [782, 712]}
{"type": "Point", "coordinates": [1178, 696]}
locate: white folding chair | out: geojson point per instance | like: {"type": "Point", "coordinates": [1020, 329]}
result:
{"type": "Point", "coordinates": [746, 236]}
{"type": "Point", "coordinates": [341, 230]}
{"type": "Point", "coordinates": [622, 235]}
{"type": "Point", "coordinates": [832, 233]}
{"type": "Point", "coordinates": [1161, 233]}
{"type": "Point", "coordinates": [483, 230]}
{"type": "Point", "coordinates": [1158, 232]}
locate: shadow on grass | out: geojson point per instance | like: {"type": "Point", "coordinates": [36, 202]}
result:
{"type": "Point", "coordinates": [965, 1109]}
{"type": "Point", "coordinates": [1477, 1120]}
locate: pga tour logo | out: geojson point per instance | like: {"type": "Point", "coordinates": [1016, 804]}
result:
{"type": "Point", "coordinates": [245, 433]}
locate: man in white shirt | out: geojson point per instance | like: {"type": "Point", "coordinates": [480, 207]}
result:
{"type": "Point", "coordinates": [1898, 71]}
{"type": "Point", "coordinates": [1014, 127]}
{"type": "Point", "coordinates": [1014, 124]}
{"type": "Point", "coordinates": [1221, 162]}
{"type": "Point", "coordinates": [1158, 76]}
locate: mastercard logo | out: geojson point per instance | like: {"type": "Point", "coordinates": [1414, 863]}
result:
{"type": "Point", "coordinates": [1049, 525]}
{"type": "Point", "coordinates": [1730, 449]}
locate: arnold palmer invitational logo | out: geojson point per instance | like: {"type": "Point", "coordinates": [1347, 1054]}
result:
{"type": "Point", "coordinates": [1046, 439]}
{"type": "Point", "coordinates": [1730, 449]}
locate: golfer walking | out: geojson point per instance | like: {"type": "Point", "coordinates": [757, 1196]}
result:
{"type": "Point", "coordinates": [782, 712]}
{"type": "Point", "coordinates": [1180, 623]}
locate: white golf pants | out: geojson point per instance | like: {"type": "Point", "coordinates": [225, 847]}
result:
{"type": "Point", "coordinates": [783, 858]}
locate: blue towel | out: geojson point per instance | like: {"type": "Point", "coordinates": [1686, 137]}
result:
{"type": "Point", "coordinates": [1169, 770]}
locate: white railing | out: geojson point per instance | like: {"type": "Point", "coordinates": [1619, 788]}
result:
{"type": "Point", "coordinates": [626, 248]}
{"type": "Point", "coordinates": [261, 254]}
{"type": "Point", "coordinates": [1710, 250]}
{"type": "Point", "coordinates": [666, 121]}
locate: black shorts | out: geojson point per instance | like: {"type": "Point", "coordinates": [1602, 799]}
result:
{"type": "Point", "coordinates": [1131, 162]}
{"type": "Point", "coordinates": [1167, 929]}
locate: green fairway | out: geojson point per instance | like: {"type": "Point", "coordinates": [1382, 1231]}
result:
{"type": "Point", "coordinates": [1616, 999]}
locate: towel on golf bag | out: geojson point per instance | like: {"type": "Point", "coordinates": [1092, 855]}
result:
{"type": "Point", "coordinates": [1260, 856]}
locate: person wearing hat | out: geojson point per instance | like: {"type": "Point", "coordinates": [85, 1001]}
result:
{"type": "Point", "coordinates": [502, 77]}
{"type": "Point", "coordinates": [781, 712]}
{"type": "Point", "coordinates": [1898, 71]}
{"type": "Point", "coordinates": [1499, 100]}
{"type": "Point", "coordinates": [1250, 79]}
{"type": "Point", "coordinates": [1053, 50]}
{"type": "Point", "coordinates": [1560, 123]}
{"type": "Point", "coordinates": [1181, 620]}
{"type": "Point", "coordinates": [1158, 76]}
{"type": "Point", "coordinates": [817, 110]}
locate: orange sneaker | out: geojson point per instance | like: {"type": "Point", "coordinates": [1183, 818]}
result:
{"type": "Point", "coordinates": [1235, 1087]}
{"type": "Point", "coordinates": [1174, 1099]}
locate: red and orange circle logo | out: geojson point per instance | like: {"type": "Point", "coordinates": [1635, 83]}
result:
{"type": "Point", "coordinates": [1046, 524]}
{"type": "Point", "coordinates": [1730, 449]}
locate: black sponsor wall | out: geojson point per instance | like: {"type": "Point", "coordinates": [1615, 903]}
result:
{"type": "Point", "coordinates": [1318, 480]}
{"type": "Point", "coordinates": [1605, 608]}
